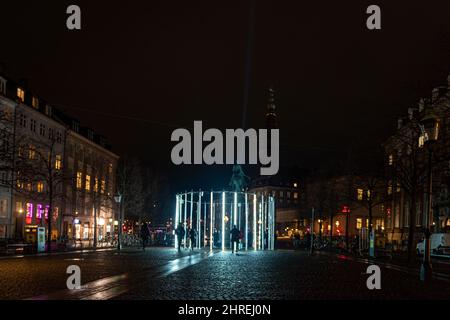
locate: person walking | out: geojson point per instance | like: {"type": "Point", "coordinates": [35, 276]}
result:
{"type": "Point", "coordinates": [234, 238]}
{"type": "Point", "coordinates": [145, 233]}
{"type": "Point", "coordinates": [180, 235]}
{"type": "Point", "coordinates": [192, 236]}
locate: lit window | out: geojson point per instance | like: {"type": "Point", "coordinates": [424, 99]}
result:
{"type": "Point", "coordinates": [31, 153]}
{"type": "Point", "coordinates": [391, 160]}
{"type": "Point", "coordinates": [421, 140]}
{"type": "Point", "coordinates": [110, 168]}
{"type": "Point", "coordinates": [360, 193]}
{"type": "Point", "coordinates": [58, 162]}
{"type": "Point", "coordinates": [103, 186]}
{"type": "Point", "coordinates": [389, 189]}
{"type": "Point", "coordinates": [88, 182]}
{"type": "Point", "coordinates": [358, 223]}
{"type": "Point", "coordinates": [40, 187]}
{"type": "Point", "coordinates": [398, 187]}
{"type": "Point", "coordinates": [368, 194]}
{"type": "Point", "coordinates": [79, 179]}
{"type": "Point", "coordinates": [295, 195]}
{"type": "Point", "coordinates": [35, 102]}
{"type": "Point", "coordinates": [21, 94]}
{"type": "Point", "coordinates": [95, 184]}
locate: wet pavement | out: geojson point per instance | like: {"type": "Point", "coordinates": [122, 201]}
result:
{"type": "Point", "coordinates": [163, 273]}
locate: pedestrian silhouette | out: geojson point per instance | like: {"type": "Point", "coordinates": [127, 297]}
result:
{"type": "Point", "coordinates": [179, 232]}
{"type": "Point", "coordinates": [145, 233]}
{"type": "Point", "coordinates": [234, 238]}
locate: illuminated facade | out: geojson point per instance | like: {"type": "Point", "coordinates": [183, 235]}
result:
{"type": "Point", "coordinates": [213, 215]}
{"type": "Point", "coordinates": [38, 147]}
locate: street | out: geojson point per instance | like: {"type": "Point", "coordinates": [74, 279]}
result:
{"type": "Point", "coordinates": [163, 273]}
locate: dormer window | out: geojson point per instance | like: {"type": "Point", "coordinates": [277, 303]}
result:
{"type": "Point", "coordinates": [48, 110]}
{"type": "Point", "coordinates": [2, 86]}
{"type": "Point", "coordinates": [90, 134]}
{"type": "Point", "coordinates": [35, 102]}
{"type": "Point", "coordinates": [20, 94]}
{"type": "Point", "coordinates": [75, 126]}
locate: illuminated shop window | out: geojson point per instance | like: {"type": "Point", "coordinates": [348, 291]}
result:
{"type": "Point", "coordinates": [359, 194]}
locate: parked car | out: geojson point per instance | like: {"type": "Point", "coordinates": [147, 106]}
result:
{"type": "Point", "coordinates": [437, 241]}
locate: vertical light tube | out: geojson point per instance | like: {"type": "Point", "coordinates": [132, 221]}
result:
{"type": "Point", "coordinates": [211, 215]}
{"type": "Point", "coordinates": [223, 221]}
{"type": "Point", "coordinates": [204, 224]}
{"type": "Point", "coordinates": [260, 223]}
{"type": "Point", "coordinates": [254, 222]}
{"type": "Point", "coordinates": [199, 208]}
{"type": "Point", "coordinates": [177, 209]}
{"type": "Point", "coordinates": [272, 229]}
{"type": "Point", "coordinates": [235, 216]}
{"type": "Point", "coordinates": [191, 209]}
{"type": "Point", "coordinates": [185, 219]}
{"type": "Point", "coordinates": [246, 221]}
{"type": "Point", "coordinates": [269, 245]}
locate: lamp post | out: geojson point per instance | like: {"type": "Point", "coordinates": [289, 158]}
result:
{"type": "Point", "coordinates": [346, 211]}
{"type": "Point", "coordinates": [429, 126]}
{"type": "Point", "coordinates": [118, 199]}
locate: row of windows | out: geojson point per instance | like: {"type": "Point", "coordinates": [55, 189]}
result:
{"type": "Point", "coordinates": [38, 187]}
{"type": "Point", "coordinates": [43, 130]}
{"type": "Point", "coordinates": [31, 155]}
{"type": "Point", "coordinates": [90, 183]}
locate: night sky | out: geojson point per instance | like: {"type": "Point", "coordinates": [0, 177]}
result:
{"type": "Point", "coordinates": [139, 69]}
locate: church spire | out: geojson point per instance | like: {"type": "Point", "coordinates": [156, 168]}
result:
{"type": "Point", "coordinates": [271, 116]}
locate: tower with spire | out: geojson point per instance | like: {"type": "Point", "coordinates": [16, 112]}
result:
{"type": "Point", "coordinates": [271, 116]}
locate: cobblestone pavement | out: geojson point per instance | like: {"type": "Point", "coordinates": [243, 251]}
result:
{"type": "Point", "coordinates": [165, 274]}
{"type": "Point", "coordinates": [283, 275]}
{"type": "Point", "coordinates": [38, 275]}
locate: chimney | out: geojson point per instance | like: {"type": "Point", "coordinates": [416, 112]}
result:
{"type": "Point", "coordinates": [434, 94]}
{"type": "Point", "coordinates": [399, 123]}
{"type": "Point", "coordinates": [421, 105]}
{"type": "Point", "coordinates": [410, 113]}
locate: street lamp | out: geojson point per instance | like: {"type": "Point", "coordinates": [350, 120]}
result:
{"type": "Point", "coordinates": [118, 199]}
{"type": "Point", "coordinates": [429, 126]}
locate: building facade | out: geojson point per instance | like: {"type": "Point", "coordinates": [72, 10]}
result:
{"type": "Point", "coordinates": [52, 169]}
{"type": "Point", "coordinates": [406, 161]}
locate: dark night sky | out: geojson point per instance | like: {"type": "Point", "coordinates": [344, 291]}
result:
{"type": "Point", "coordinates": [137, 67]}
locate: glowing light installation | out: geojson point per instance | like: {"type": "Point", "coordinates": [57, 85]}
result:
{"type": "Point", "coordinates": [258, 229]}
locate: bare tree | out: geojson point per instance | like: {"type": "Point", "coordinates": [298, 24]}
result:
{"type": "Point", "coordinates": [38, 173]}
{"type": "Point", "coordinates": [131, 187]}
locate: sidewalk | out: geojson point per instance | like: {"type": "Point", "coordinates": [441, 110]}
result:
{"type": "Point", "coordinates": [57, 251]}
